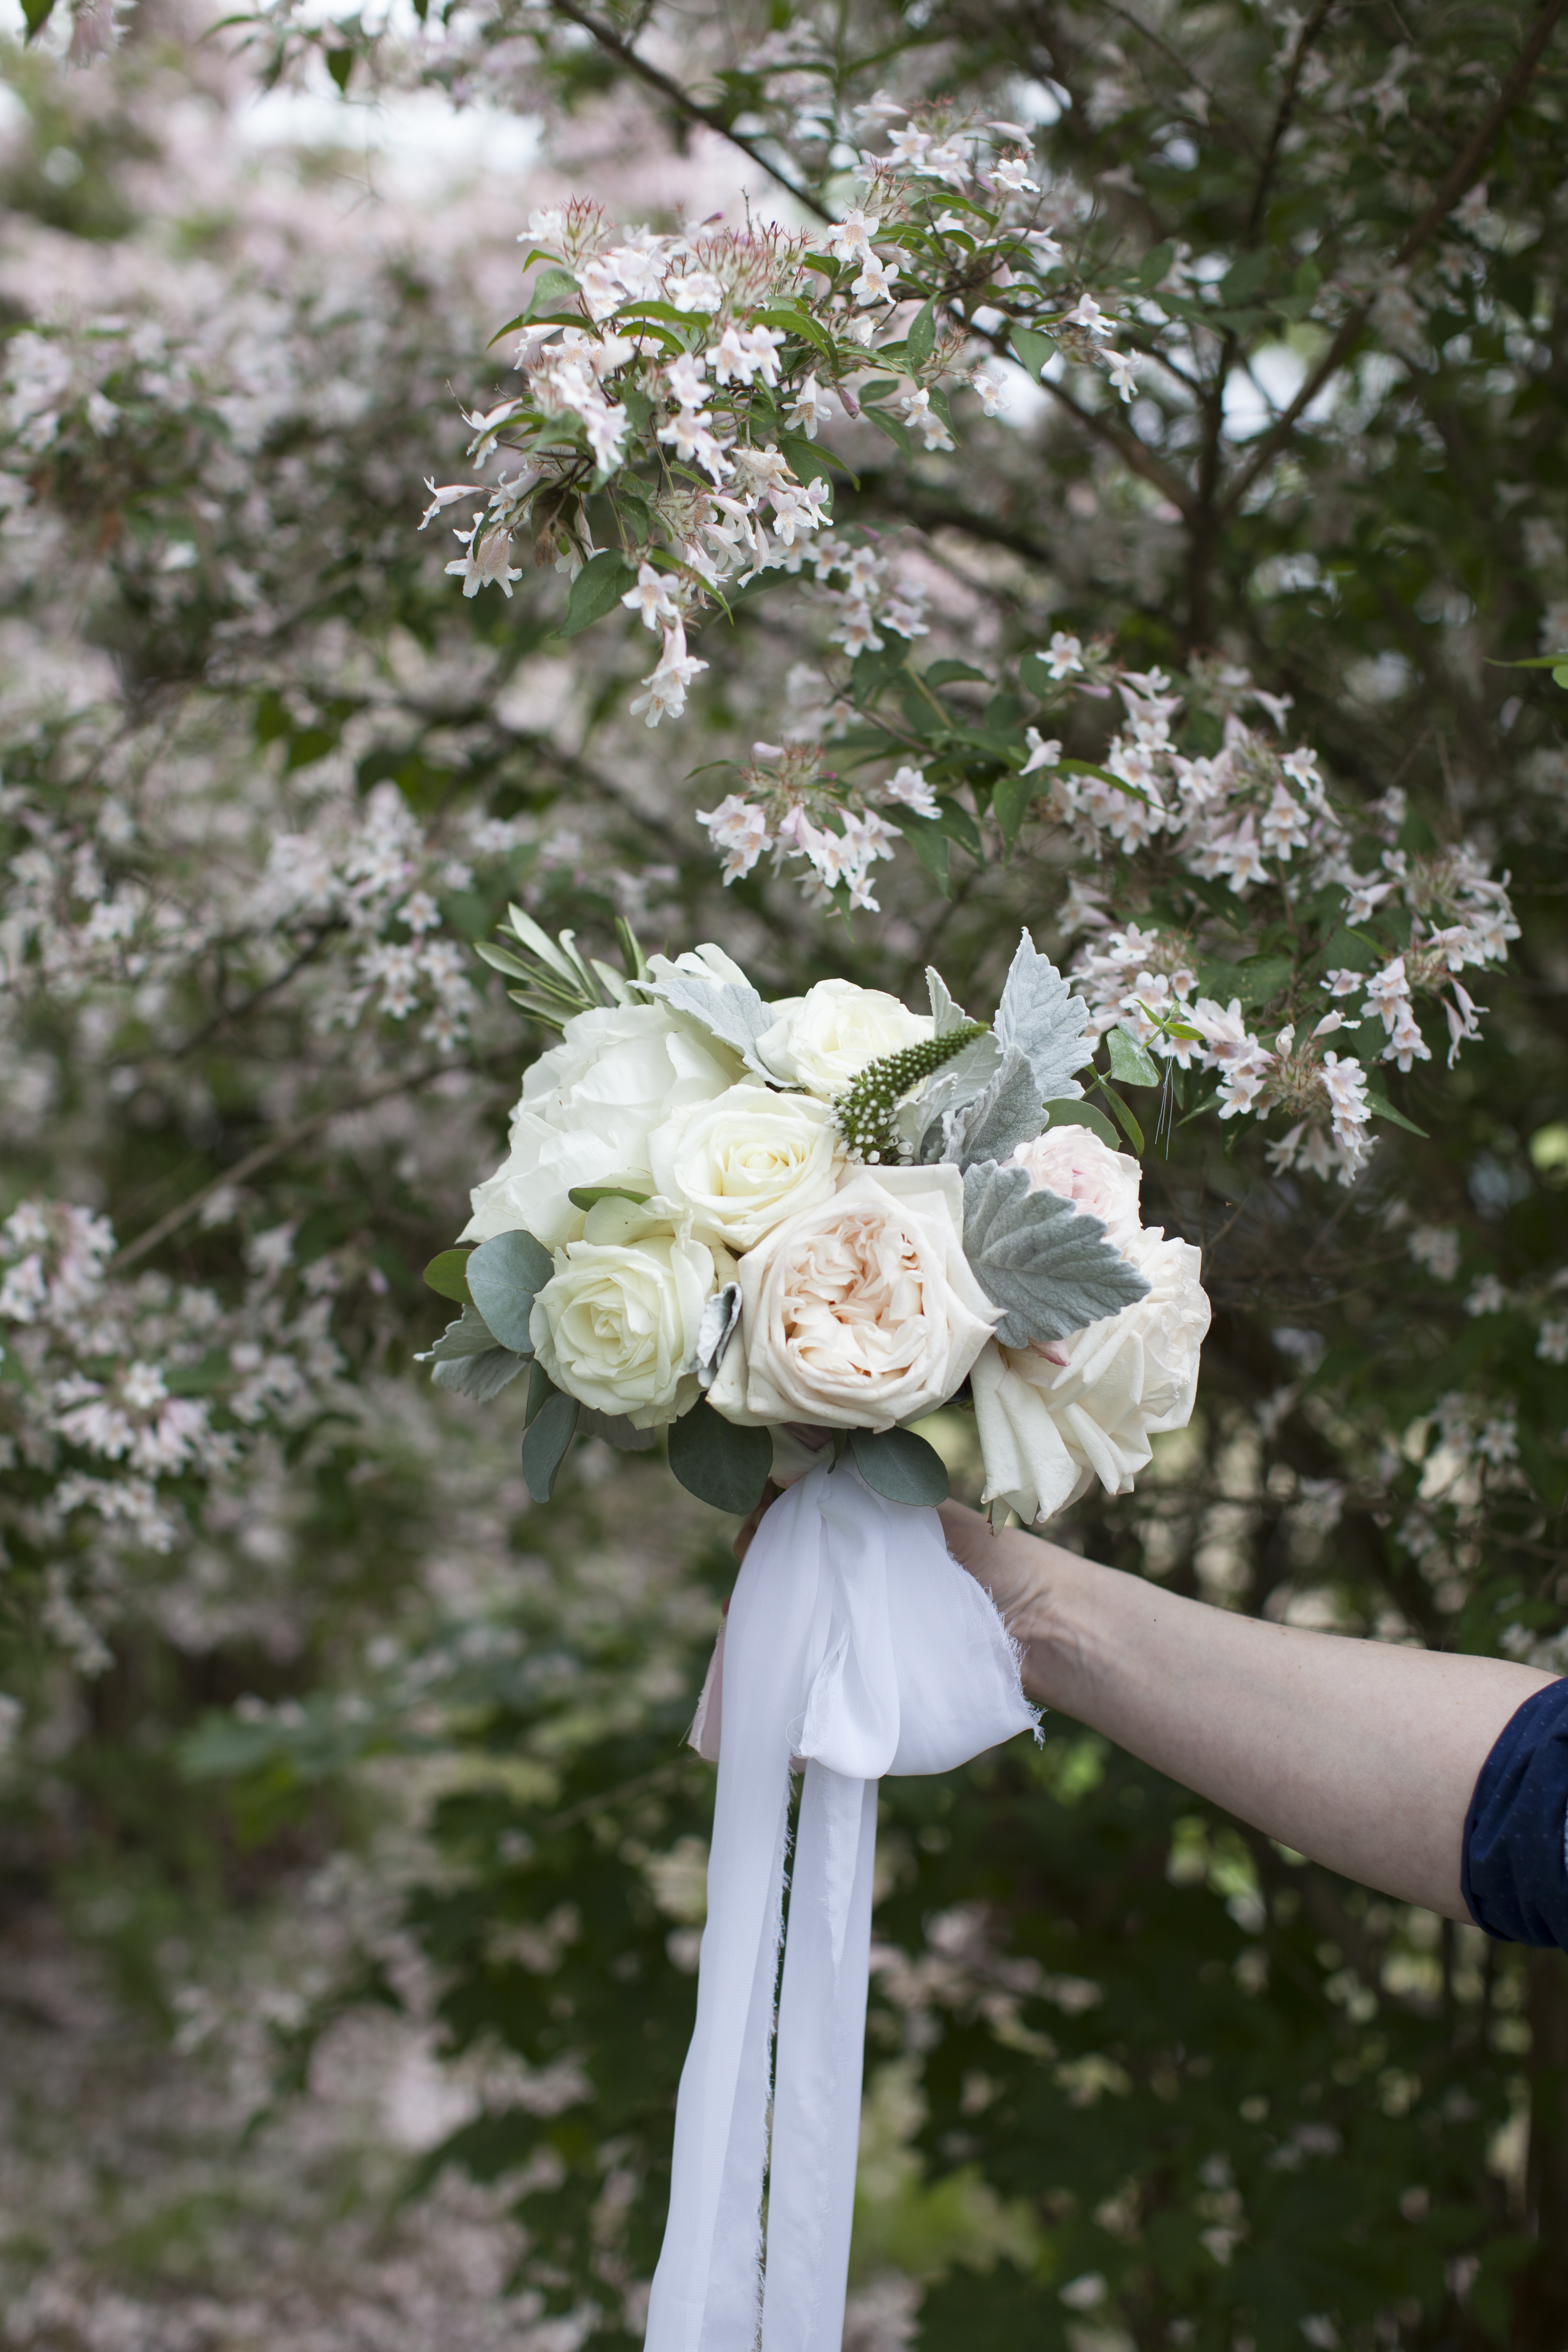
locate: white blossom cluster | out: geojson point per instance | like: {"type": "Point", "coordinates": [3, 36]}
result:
{"type": "Point", "coordinates": [116, 1394]}
{"type": "Point", "coordinates": [1262, 821]}
{"type": "Point", "coordinates": [672, 367]}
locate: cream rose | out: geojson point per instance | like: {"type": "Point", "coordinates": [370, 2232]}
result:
{"type": "Point", "coordinates": [743, 1162]}
{"type": "Point", "coordinates": [861, 1313]}
{"type": "Point", "coordinates": [1048, 1428]}
{"type": "Point", "coordinates": [616, 1324]}
{"type": "Point", "coordinates": [587, 1109]}
{"type": "Point", "coordinates": [823, 1040]}
{"type": "Point", "coordinates": [1073, 1162]}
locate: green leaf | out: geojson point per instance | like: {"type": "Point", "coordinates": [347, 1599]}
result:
{"type": "Point", "coordinates": [959, 825]}
{"type": "Point", "coordinates": [553, 289]}
{"type": "Point", "coordinates": [1034, 351]}
{"type": "Point", "coordinates": [921, 341]}
{"type": "Point", "coordinates": [798, 323]}
{"type": "Point", "coordinates": [929, 842]}
{"type": "Point", "coordinates": [448, 1276]}
{"type": "Point", "coordinates": [584, 1196]}
{"type": "Point", "coordinates": [1065, 1112]}
{"type": "Point", "coordinates": [1243, 278]}
{"type": "Point", "coordinates": [339, 65]}
{"type": "Point", "coordinates": [945, 673]}
{"type": "Point", "coordinates": [549, 1434]}
{"type": "Point", "coordinates": [1130, 1062]}
{"type": "Point", "coordinates": [1155, 264]}
{"type": "Point", "coordinates": [540, 1387]}
{"type": "Point", "coordinates": [719, 1462]}
{"type": "Point", "coordinates": [1010, 800]}
{"type": "Point", "coordinates": [1046, 1264]}
{"type": "Point", "coordinates": [1122, 1114]}
{"type": "Point", "coordinates": [896, 430]}
{"type": "Point", "coordinates": [504, 1274]}
{"type": "Point", "coordinates": [503, 960]}
{"type": "Point", "coordinates": [37, 14]}
{"type": "Point", "coordinates": [897, 1465]}
{"type": "Point", "coordinates": [597, 590]}
{"type": "Point", "coordinates": [871, 671]}
{"type": "Point", "coordinates": [1381, 1107]}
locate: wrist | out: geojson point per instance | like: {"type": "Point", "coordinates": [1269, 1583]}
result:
{"type": "Point", "coordinates": [1049, 1619]}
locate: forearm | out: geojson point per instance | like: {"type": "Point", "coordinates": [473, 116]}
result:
{"type": "Point", "coordinates": [1362, 1755]}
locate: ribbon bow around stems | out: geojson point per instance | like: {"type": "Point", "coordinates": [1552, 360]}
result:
{"type": "Point", "coordinates": [855, 1641]}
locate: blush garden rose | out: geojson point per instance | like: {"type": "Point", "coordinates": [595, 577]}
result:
{"type": "Point", "coordinates": [862, 1313]}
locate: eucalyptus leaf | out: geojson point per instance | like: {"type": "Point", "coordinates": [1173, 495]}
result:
{"type": "Point", "coordinates": [447, 1275]}
{"type": "Point", "coordinates": [540, 1387]}
{"type": "Point", "coordinates": [616, 1429]}
{"type": "Point", "coordinates": [504, 1274]}
{"type": "Point", "coordinates": [899, 1466]}
{"type": "Point", "coordinates": [1045, 1263]}
{"type": "Point", "coordinates": [1041, 1015]}
{"type": "Point", "coordinates": [718, 1461]}
{"type": "Point", "coordinates": [1071, 1113]}
{"type": "Point", "coordinates": [545, 1441]}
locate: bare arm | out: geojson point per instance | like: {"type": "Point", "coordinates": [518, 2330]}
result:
{"type": "Point", "coordinates": [1362, 1755]}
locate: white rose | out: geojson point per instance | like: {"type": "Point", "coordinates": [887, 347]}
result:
{"type": "Point", "coordinates": [616, 1324]}
{"type": "Point", "coordinates": [861, 1313]}
{"type": "Point", "coordinates": [1052, 1421]}
{"type": "Point", "coordinates": [823, 1040]}
{"type": "Point", "coordinates": [1073, 1162]}
{"type": "Point", "coordinates": [745, 1161]}
{"type": "Point", "coordinates": [588, 1106]}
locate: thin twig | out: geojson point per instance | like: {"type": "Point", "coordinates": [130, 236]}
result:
{"type": "Point", "coordinates": [265, 1153]}
{"type": "Point", "coordinates": [1462, 174]}
{"type": "Point", "coordinates": [1287, 106]}
{"type": "Point", "coordinates": [684, 103]}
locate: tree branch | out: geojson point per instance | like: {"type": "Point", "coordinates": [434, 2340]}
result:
{"type": "Point", "coordinates": [1287, 106]}
{"type": "Point", "coordinates": [1462, 174]}
{"type": "Point", "coordinates": [265, 1153]}
{"type": "Point", "coordinates": [683, 102]}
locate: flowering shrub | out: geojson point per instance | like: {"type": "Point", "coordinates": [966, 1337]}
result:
{"type": "Point", "coordinates": [1187, 662]}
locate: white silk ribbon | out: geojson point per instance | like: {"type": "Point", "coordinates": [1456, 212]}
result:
{"type": "Point", "coordinates": [856, 1644]}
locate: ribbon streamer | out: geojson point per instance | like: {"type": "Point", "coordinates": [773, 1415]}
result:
{"type": "Point", "coordinates": [854, 1643]}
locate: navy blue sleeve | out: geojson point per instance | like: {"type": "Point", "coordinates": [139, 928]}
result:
{"type": "Point", "coordinates": [1513, 1872]}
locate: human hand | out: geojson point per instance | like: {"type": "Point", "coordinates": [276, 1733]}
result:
{"type": "Point", "coordinates": [753, 1521]}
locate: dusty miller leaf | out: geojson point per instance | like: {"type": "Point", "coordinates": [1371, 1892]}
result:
{"type": "Point", "coordinates": [919, 1122]}
{"type": "Point", "coordinates": [1045, 1263]}
{"type": "Point", "coordinates": [1039, 1014]}
{"type": "Point", "coordinates": [1007, 1113]}
{"type": "Point", "coordinates": [737, 1017]}
{"type": "Point", "coordinates": [944, 1014]}
{"type": "Point", "coordinates": [468, 1359]}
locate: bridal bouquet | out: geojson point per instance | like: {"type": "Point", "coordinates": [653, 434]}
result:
{"type": "Point", "coordinates": [763, 1227]}
{"type": "Point", "coordinates": [783, 1233]}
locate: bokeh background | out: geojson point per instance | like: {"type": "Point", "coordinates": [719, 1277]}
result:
{"type": "Point", "coordinates": [351, 1864]}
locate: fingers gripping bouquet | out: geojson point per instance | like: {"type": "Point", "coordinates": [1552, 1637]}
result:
{"type": "Point", "coordinates": [783, 1233]}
